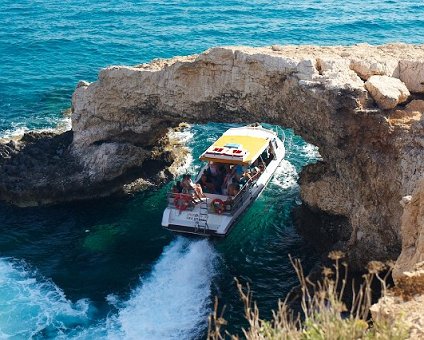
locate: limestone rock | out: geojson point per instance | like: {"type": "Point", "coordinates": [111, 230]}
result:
{"type": "Point", "coordinates": [412, 233]}
{"type": "Point", "coordinates": [394, 309]}
{"type": "Point", "coordinates": [416, 106]}
{"type": "Point", "coordinates": [82, 83]}
{"type": "Point", "coordinates": [388, 92]}
{"type": "Point", "coordinates": [411, 72]}
{"type": "Point", "coordinates": [404, 303]}
{"type": "Point", "coordinates": [367, 67]}
{"type": "Point", "coordinates": [337, 73]}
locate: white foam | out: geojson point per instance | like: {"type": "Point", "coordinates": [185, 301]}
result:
{"type": "Point", "coordinates": [14, 133]}
{"type": "Point", "coordinates": [31, 306]}
{"type": "Point", "coordinates": [173, 301]}
{"type": "Point", "coordinates": [311, 151]}
{"type": "Point", "coordinates": [183, 137]}
{"type": "Point", "coordinates": [285, 176]}
{"type": "Point", "coordinates": [18, 130]}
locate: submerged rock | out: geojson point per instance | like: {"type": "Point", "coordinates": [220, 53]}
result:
{"type": "Point", "coordinates": [371, 158]}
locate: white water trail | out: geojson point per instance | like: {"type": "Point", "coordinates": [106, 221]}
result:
{"type": "Point", "coordinates": [173, 301]}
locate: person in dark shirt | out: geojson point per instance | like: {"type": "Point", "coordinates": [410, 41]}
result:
{"type": "Point", "coordinates": [207, 186]}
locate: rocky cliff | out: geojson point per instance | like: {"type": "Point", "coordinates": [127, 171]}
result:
{"type": "Point", "coordinates": [412, 230]}
{"type": "Point", "coordinates": [406, 300]}
{"type": "Point", "coordinates": [361, 105]}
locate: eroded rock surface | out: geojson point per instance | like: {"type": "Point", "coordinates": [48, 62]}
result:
{"type": "Point", "coordinates": [404, 304]}
{"type": "Point", "coordinates": [41, 168]}
{"type": "Point", "coordinates": [412, 235]}
{"type": "Point", "coordinates": [371, 158]}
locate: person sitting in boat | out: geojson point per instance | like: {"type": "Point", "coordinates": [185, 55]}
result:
{"type": "Point", "coordinates": [228, 178]}
{"type": "Point", "coordinates": [238, 172]}
{"type": "Point", "coordinates": [189, 186]}
{"type": "Point", "coordinates": [214, 169]}
{"type": "Point", "coordinates": [233, 189]}
{"type": "Point", "coordinates": [255, 172]}
{"type": "Point", "coordinates": [216, 173]}
{"type": "Point", "coordinates": [206, 184]}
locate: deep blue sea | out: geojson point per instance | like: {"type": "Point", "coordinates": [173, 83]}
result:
{"type": "Point", "coordinates": [105, 268]}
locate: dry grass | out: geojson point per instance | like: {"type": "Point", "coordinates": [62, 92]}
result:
{"type": "Point", "coordinates": [324, 314]}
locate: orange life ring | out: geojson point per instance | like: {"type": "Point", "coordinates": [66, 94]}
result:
{"type": "Point", "coordinates": [182, 201]}
{"type": "Point", "coordinates": [218, 205]}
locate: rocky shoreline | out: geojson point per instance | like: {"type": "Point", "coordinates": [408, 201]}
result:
{"type": "Point", "coordinates": [361, 105]}
{"type": "Point", "coordinates": [41, 168]}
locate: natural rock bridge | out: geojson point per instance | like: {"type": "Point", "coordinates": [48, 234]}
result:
{"type": "Point", "coordinates": [360, 105]}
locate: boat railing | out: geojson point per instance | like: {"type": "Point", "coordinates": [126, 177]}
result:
{"type": "Point", "coordinates": [239, 199]}
{"type": "Point", "coordinates": [279, 130]}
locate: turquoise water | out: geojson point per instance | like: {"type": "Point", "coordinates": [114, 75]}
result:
{"type": "Point", "coordinates": [106, 268]}
{"type": "Point", "coordinates": [46, 46]}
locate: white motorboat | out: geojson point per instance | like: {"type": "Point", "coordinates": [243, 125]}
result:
{"type": "Point", "coordinates": [238, 166]}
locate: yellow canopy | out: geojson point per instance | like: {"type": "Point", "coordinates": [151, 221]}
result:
{"type": "Point", "coordinates": [253, 145]}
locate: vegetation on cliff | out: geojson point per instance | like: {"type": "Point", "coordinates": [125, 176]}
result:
{"type": "Point", "coordinates": [324, 313]}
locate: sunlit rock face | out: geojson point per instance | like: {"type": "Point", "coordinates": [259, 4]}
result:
{"type": "Point", "coordinates": [388, 92]}
{"type": "Point", "coordinates": [371, 155]}
{"type": "Point", "coordinates": [412, 229]}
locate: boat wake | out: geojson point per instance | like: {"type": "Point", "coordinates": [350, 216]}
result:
{"type": "Point", "coordinates": [171, 302]}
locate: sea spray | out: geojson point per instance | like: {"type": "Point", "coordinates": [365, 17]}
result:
{"type": "Point", "coordinates": [31, 306]}
{"type": "Point", "coordinates": [58, 125]}
{"type": "Point", "coordinates": [285, 176]}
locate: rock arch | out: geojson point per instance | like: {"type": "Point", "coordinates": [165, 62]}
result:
{"type": "Point", "coordinates": [372, 157]}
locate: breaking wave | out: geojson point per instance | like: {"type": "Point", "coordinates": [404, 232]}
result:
{"type": "Point", "coordinates": [31, 306]}
{"type": "Point", "coordinates": [18, 130]}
